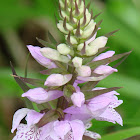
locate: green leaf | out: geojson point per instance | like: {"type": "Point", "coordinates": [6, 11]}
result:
{"type": "Point", "coordinates": [52, 71]}
{"type": "Point", "coordinates": [111, 33]}
{"type": "Point", "coordinates": [45, 43]}
{"type": "Point", "coordinates": [48, 117]}
{"type": "Point", "coordinates": [31, 81]}
{"type": "Point", "coordinates": [95, 64]}
{"type": "Point", "coordinates": [51, 38]}
{"type": "Point", "coordinates": [23, 86]}
{"type": "Point", "coordinates": [68, 91]}
{"type": "Point", "coordinates": [91, 94]}
{"type": "Point", "coordinates": [89, 85]}
{"type": "Point", "coordinates": [123, 134]}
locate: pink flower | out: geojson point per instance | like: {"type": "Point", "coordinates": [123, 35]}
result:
{"type": "Point", "coordinates": [56, 130]}
{"type": "Point", "coordinates": [100, 108]}
{"type": "Point", "coordinates": [102, 70]}
{"type": "Point", "coordinates": [35, 52]}
{"type": "Point", "coordinates": [40, 95]}
{"type": "Point", "coordinates": [104, 55]}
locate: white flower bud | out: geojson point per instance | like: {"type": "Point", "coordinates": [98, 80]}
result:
{"type": "Point", "coordinates": [80, 46]}
{"type": "Point", "coordinates": [88, 17]}
{"type": "Point", "coordinates": [61, 3]}
{"type": "Point", "coordinates": [89, 29]}
{"type": "Point", "coordinates": [54, 55]}
{"type": "Point", "coordinates": [64, 14]}
{"type": "Point", "coordinates": [74, 31]}
{"type": "Point", "coordinates": [83, 71]}
{"type": "Point", "coordinates": [63, 49]}
{"type": "Point", "coordinates": [95, 45]}
{"type": "Point", "coordinates": [72, 39]}
{"type": "Point", "coordinates": [82, 6]}
{"type": "Point", "coordinates": [77, 61]}
{"type": "Point", "coordinates": [61, 28]}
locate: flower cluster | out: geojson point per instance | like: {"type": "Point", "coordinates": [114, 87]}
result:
{"type": "Point", "coordinates": [74, 68]}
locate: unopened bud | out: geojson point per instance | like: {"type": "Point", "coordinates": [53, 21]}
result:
{"type": "Point", "coordinates": [63, 49]}
{"type": "Point", "coordinates": [89, 29]}
{"type": "Point", "coordinates": [72, 39]}
{"type": "Point", "coordinates": [83, 71]}
{"type": "Point", "coordinates": [54, 55]}
{"type": "Point", "coordinates": [95, 45]}
{"type": "Point", "coordinates": [74, 31]}
{"type": "Point", "coordinates": [81, 8]}
{"type": "Point", "coordinates": [88, 17]}
{"type": "Point", "coordinates": [61, 28]}
{"type": "Point", "coordinates": [61, 3]}
{"type": "Point", "coordinates": [77, 61]}
{"type": "Point", "coordinates": [80, 46]}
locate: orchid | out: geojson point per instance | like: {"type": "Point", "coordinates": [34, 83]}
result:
{"type": "Point", "coordinates": [68, 99]}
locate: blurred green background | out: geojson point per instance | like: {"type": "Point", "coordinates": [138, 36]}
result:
{"type": "Point", "coordinates": [21, 21]}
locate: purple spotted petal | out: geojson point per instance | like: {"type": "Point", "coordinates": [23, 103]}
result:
{"type": "Point", "coordinates": [111, 115]}
{"type": "Point", "coordinates": [33, 117]}
{"type": "Point", "coordinates": [18, 116]}
{"type": "Point", "coordinates": [58, 79]}
{"type": "Point", "coordinates": [27, 133]}
{"type": "Point", "coordinates": [92, 135]}
{"type": "Point", "coordinates": [104, 55]}
{"type": "Point", "coordinates": [39, 95]}
{"type": "Point", "coordinates": [35, 52]}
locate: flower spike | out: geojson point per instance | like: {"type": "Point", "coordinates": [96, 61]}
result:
{"type": "Point", "coordinates": [69, 98]}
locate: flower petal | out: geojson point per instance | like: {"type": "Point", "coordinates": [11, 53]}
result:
{"type": "Point", "coordinates": [40, 95]}
{"type": "Point", "coordinates": [104, 55]}
{"type": "Point", "coordinates": [58, 79]}
{"type": "Point", "coordinates": [54, 55]}
{"type": "Point", "coordinates": [92, 134]}
{"type": "Point", "coordinates": [77, 110]}
{"type": "Point", "coordinates": [35, 52]}
{"type": "Point", "coordinates": [27, 133]}
{"type": "Point", "coordinates": [110, 115]}
{"type": "Point", "coordinates": [33, 117]}
{"type": "Point", "coordinates": [18, 116]}
{"type": "Point", "coordinates": [78, 98]}
{"type": "Point", "coordinates": [62, 128]}
{"type": "Point", "coordinates": [85, 79]}
{"type": "Point", "coordinates": [103, 69]}
{"type": "Point", "coordinates": [83, 71]}
{"type": "Point", "coordinates": [78, 129]}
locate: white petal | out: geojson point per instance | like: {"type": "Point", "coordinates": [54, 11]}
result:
{"type": "Point", "coordinates": [58, 79]}
{"type": "Point", "coordinates": [18, 116]}
{"type": "Point", "coordinates": [92, 134]}
{"type": "Point", "coordinates": [33, 117]}
{"type": "Point", "coordinates": [78, 99]}
{"type": "Point", "coordinates": [62, 128]}
{"type": "Point", "coordinates": [27, 133]}
{"type": "Point", "coordinates": [78, 129]}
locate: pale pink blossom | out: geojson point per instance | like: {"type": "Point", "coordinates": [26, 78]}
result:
{"type": "Point", "coordinates": [40, 95]}
{"type": "Point", "coordinates": [100, 107]}
{"type": "Point", "coordinates": [104, 55]}
{"type": "Point", "coordinates": [35, 52]}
